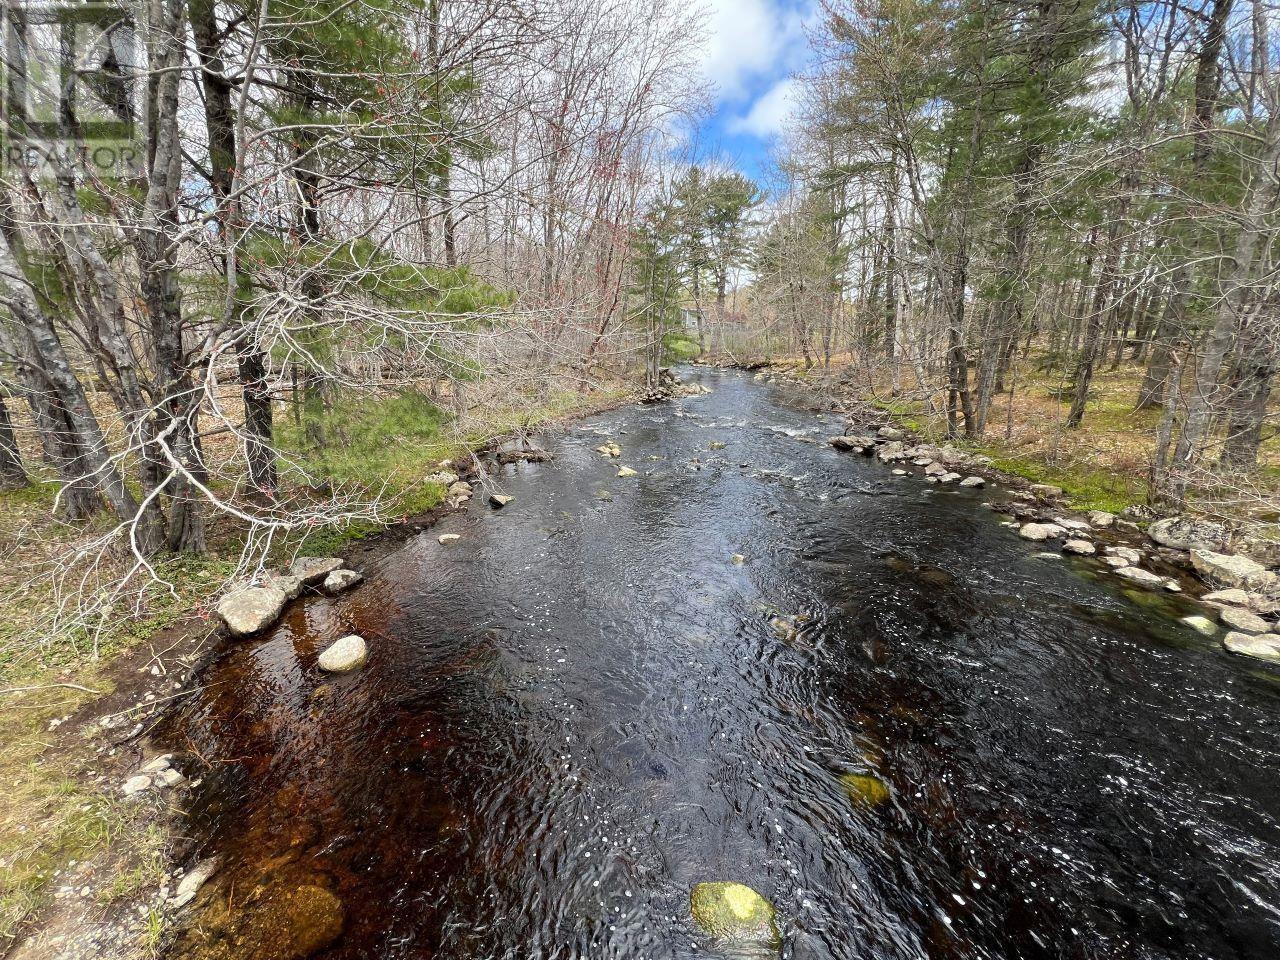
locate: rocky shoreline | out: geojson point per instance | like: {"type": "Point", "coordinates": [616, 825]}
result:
{"type": "Point", "coordinates": [1240, 593]}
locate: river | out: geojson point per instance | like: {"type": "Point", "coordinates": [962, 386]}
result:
{"type": "Point", "coordinates": [586, 706]}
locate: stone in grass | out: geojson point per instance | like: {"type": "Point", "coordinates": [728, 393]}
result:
{"type": "Point", "coordinates": [340, 580]}
{"type": "Point", "coordinates": [136, 785]}
{"type": "Point", "coordinates": [1082, 547]}
{"type": "Point", "coordinates": [248, 611]}
{"type": "Point", "coordinates": [627, 472]}
{"type": "Point", "coordinates": [1201, 625]}
{"type": "Point", "coordinates": [1252, 645]}
{"type": "Point", "coordinates": [1246, 621]}
{"type": "Point", "coordinates": [347, 654]}
{"type": "Point", "coordinates": [499, 500]}
{"type": "Point", "coordinates": [735, 913]}
{"type": "Point", "coordinates": [865, 789]}
{"type": "Point", "coordinates": [1045, 491]}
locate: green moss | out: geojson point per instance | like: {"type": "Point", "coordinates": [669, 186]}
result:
{"type": "Point", "coordinates": [677, 348]}
{"type": "Point", "coordinates": [1087, 488]}
{"type": "Point", "coordinates": [735, 912]}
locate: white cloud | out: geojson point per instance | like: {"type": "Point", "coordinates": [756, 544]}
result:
{"type": "Point", "coordinates": [770, 113]}
{"type": "Point", "coordinates": [748, 40]}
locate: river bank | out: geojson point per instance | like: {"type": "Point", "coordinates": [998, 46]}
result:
{"type": "Point", "coordinates": [86, 871]}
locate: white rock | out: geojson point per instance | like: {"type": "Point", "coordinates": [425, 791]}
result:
{"type": "Point", "coordinates": [1077, 525]}
{"type": "Point", "coordinates": [136, 784]}
{"type": "Point", "coordinates": [627, 472]}
{"type": "Point", "coordinates": [973, 482]}
{"type": "Point", "coordinates": [314, 569]}
{"type": "Point", "coordinates": [899, 472]}
{"type": "Point", "coordinates": [1138, 575]}
{"type": "Point", "coordinates": [1127, 554]}
{"type": "Point", "coordinates": [1082, 547]}
{"type": "Point", "coordinates": [949, 478]}
{"type": "Point", "coordinates": [1115, 562]}
{"type": "Point", "coordinates": [448, 538]}
{"type": "Point", "coordinates": [1101, 519]}
{"type": "Point", "coordinates": [1040, 531]}
{"type": "Point", "coordinates": [190, 884]}
{"type": "Point", "coordinates": [1188, 533]}
{"type": "Point", "coordinates": [159, 763]}
{"type": "Point", "coordinates": [245, 612]}
{"type": "Point", "coordinates": [1234, 597]}
{"type": "Point", "coordinates": [341, 580]}
{"type": "Point", "coordinates": [1233, 570]}
{"type": "Point", "coordinates": [462, 490]}
{"type": "Point", "coordinates": [288, 584]}
{"type": "Point", "coordinates": [171, 778]}
{"type": "Point", "coordinates": [444, 478]}
{"type": "Point", "coordinates": [935, 469]}
{"type": "Point", "coordinates": [347, 654]}
{"type": "Point", "coordinates": [1238, 618]}
{"type": "Point", "coordinates": [1250, 645]}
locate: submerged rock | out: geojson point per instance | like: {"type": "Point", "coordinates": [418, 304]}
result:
{"type": "Point", "coordinates": [347, 654]}
{"type": "Point", "coordinates": [735, 913]}
{"type": "Point", "coordinates": [278, 921]}
{"type": "Point", "coordinates": [1201, 625]}
{"type": "Point", "coordinates": [246, 612]}
{"type": "Point", "coordinates": [340, 580]}
{"type": "Point", "coordinates": [865, 789]}
{"type": "Point", "coordinates": [1261, 647]}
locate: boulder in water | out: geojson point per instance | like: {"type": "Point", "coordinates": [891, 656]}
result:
{"type": "Point", "coordinates": [1040, 531]}
{"type": "Point", "coordinates": [499, 500]}
{"type": "Point", "coordinates": [1144, 577]}
{"type": "Point", "coordinates": [627, 472]}
{"type": "Point", "coordinates": [347, 654]}
{"type": "Point", "coordinates": [735, 913]}
{"type": "Point", "coordinates": [1233, 596]}
{"type": "Point", "coordinates": [1082, 547]}
{"type": "Point", "coordinates": [447, 538]}
{"type": "Point", "coordinates": [973, 482]}
{"type": "Point", "coordinates": [340, 580]}
{"type": "Point", "coordinates": [245, 612]}
{"type": "Point", "coordinates": [1245, 621]}
{"type": "Point", "coordinates": [311, 570]}
{"type": "Point", "coordinates": [1261, 647]}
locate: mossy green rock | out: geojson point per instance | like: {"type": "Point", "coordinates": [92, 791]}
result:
{"type": "Point", "coordinates": [865, 789]}
{"type": "Point", "coordinates": [735, 912]}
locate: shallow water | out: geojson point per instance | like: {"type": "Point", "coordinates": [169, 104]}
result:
{"type": "Point", "coordinates": [585, 707]}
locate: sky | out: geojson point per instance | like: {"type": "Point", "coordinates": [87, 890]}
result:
{"type": "Point", "coordinates": [753, 47]}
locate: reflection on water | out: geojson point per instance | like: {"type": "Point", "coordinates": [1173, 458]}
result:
{"type": "Point", "coordinates": [889, 717]}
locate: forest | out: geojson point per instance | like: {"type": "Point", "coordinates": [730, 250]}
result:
{"type": "Point", "coordinates": [285, 284]}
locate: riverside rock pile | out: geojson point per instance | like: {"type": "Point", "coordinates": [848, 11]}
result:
{"type": "Point", "coordinates": [1244, 585]}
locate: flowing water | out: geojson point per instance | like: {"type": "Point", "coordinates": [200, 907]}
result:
{"type": "Point", "coordinates": [585, 707]}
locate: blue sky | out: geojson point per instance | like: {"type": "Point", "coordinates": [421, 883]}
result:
{"type": "Point", "coordinates": [752, 49]}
